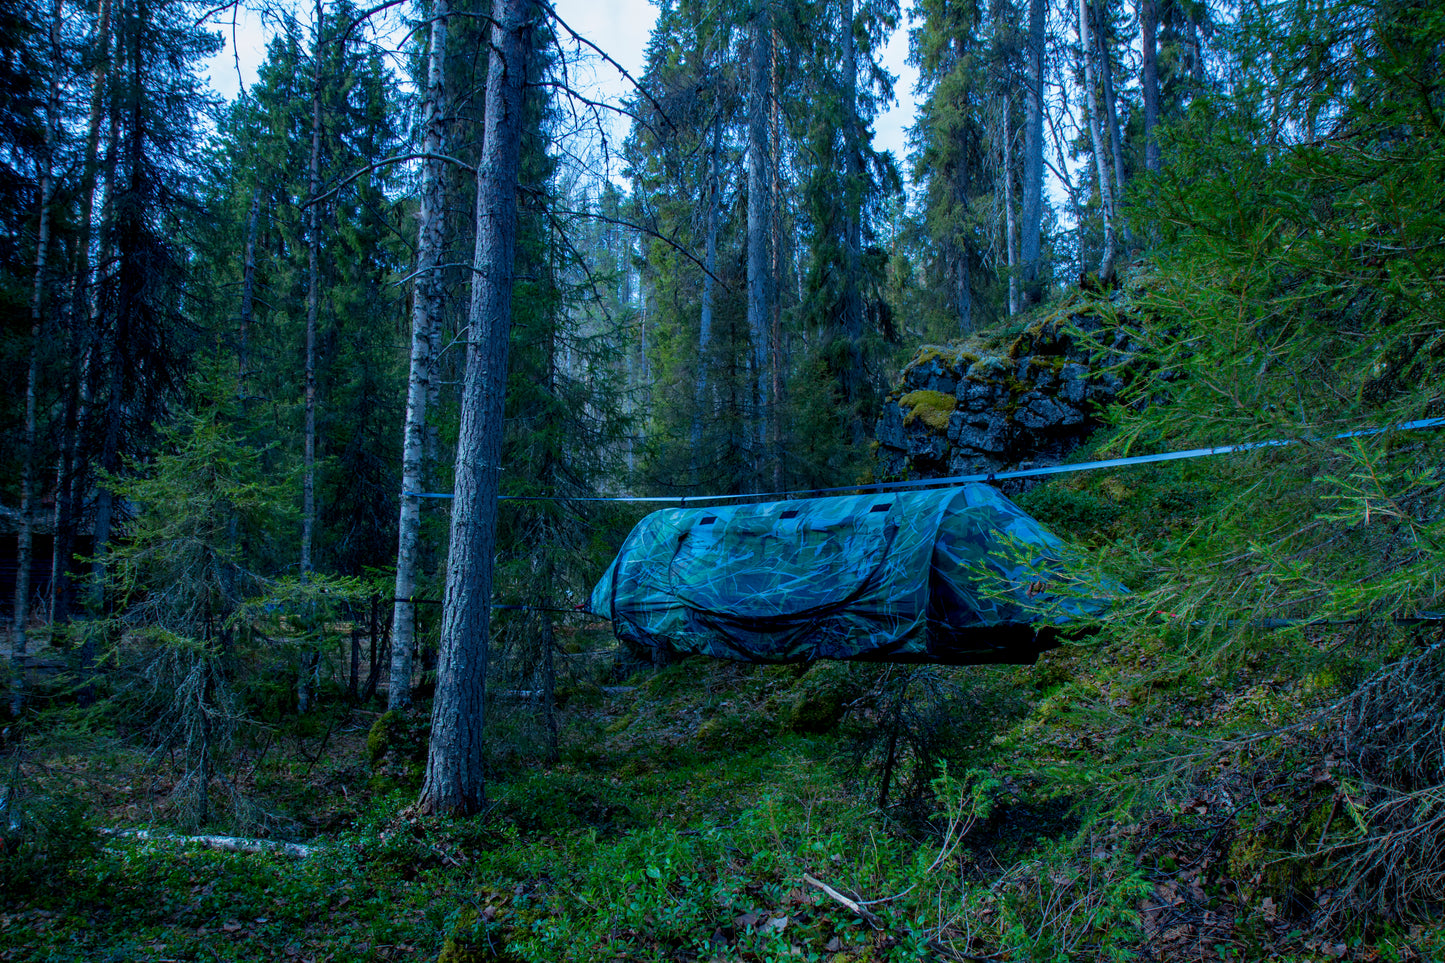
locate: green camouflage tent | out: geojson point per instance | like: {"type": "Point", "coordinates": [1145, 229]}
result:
{"type": "Point", "coordinates": [957, 576]}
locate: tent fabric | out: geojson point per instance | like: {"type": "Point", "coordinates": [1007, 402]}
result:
{"type": "Point", "coordinates": [956, 576]}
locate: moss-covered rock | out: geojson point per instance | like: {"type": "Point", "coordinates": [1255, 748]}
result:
{"type": "Point", "coordinates": [741, 730]}
{"type": "Point", "coordinates": [475, 939]}
{"type": "Point", "coordinates": [396, 747]}
{"type": "Point", "coordinates": [1025, 397]}
{"type": "Point", "coordinates": [819, 699]}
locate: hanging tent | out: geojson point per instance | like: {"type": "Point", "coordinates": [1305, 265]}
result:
{"type": "Point", "coordinates": [954, 576]}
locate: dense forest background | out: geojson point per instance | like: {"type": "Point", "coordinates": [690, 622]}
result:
{"type": "Point", "coordinates": [248, 342]}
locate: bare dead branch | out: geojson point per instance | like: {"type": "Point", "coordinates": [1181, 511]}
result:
{"type": "Point", "coordinates": [375, 165]}
{"type": "Point", "coordinates": [650, 233]}
{"type": "Point", "coordinates": [615, 65]}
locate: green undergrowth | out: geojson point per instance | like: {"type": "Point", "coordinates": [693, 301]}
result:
{"type": "Point", "coordinates": [1113, 800]}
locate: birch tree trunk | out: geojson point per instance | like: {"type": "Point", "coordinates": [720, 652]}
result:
{"type": "Point", "coordinates": [759, 227]}
{"type": "Point", "coordinates": [1096, 136]}
{"type": "Point", "coordinates": [454, 780]}
{"type": "Point", "coordinates": [1030, 246]}
{"type": "Point", "coordinates": [309, 660]}
{"type": "Point", "coordinates": [425, 321]}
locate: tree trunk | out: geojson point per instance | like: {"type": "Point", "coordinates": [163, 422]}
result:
{"type": "Point", "coordinates": [373, 674]}
{"type": "Point", "coordinates": [353, 684]}
{"type": "Point", "coordinates": [1009, 226]}
{"type": "Point", "coordinates": [1096, 136]}
{"type": "Point", "coordinates": [759, 228]}
{"type": "Point", "coordinates": [454, 779]}
{"type": "Point", "coordinates": [775, 273]}
{"type": "Point", "coordinates": [1148, 28]}
{"type": "Point", "coordinates": [1111, 113]}
{"type": "Point", "coordinates": [1030, 246]}
{"type": "Point", "coordinates": [963, 273]}
{"type": "Point", "coordinates": [70, 465]}
{"type": "Point", "coordinates": [24, 539]}
{"type": "Point", "coordinates": [963, 289]}
{"type": "Point", "coordinates": [248, 298]}
{"type": "Point", "coordinates": [309, 659]}
{"type": "Point", "coordinates": [425, 320]}
{"type": "Point", "coordinates": [128, 287]}
{"type": "Point", "coordinates": [702, 398]}
{"type": "Point", "coordinates": [852, 233]}
{"type": "Point", "coordinates": [549, 683]}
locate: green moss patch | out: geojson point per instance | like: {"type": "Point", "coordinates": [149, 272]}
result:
{"type": "Point", "coordinates": [931, 407]}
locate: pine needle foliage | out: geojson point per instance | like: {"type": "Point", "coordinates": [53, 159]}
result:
{"type": "Point", "coordinates": [180, 578]}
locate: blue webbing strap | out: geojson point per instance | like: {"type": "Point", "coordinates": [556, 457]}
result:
{"type": "Point", "coordinates": [982, 477]}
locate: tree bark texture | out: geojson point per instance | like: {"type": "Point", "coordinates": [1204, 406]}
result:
{"type": "Point", "coordinates": [68, 470]}
{"type": "Point", "coordinates": [759, 224]}
{"type": "Point", "coordinates": [963, 274]}
{"type": "Point", "coordinates": [248, 297]}
{"type": "Point", "coordinates": [24, 541]}
{"type": "Point", "coordinates": [1106, 85]}
{"type": "Point", "coordinates": [454, 779]}
{"type": "Point", "coordinates": [1148, 29]}
{"type": "Point", "coordinates": [425, 321]}
{"type": "Point", "coordinates": [852, 232]}
{"type": "Point", "coordinates": [313, 307]}
{"type": "Point", "coordinates": [128, 286]}
{"type": "Point", "coordinates": [309, 657]}
{"type": "Point", "coordinates": [774, 451]}
{"type": "Point", "coordinates": [702, 396]}
{"type": "Point", "coordinates": [1010, 226]}
{"type": "Point", "coordinates": [1030, 241]}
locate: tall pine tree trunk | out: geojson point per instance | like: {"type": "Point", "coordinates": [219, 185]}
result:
{"type": "Point", "coordinates": [1111, 113]}
{"type": "Point", "coordinates": [759, 228]}
{"type": "Point", "coordinates": [1009, 225]}
{"type": "Point", "coordinates": [70, 470]}
{"type": "Point", "coordinates": [775, 273]}
{"type": "Point", "coordinates": [305, 684]}
{"type": "Point", "coordinates": [701, 395]}
{"type": "Point", "coordinates": [1148, 29]}
{"type": "Point", "coordinates": [248, 297]}
{"type": "Point", "coordinates": [852, 233]}
{"type": "Point", "coordinates": [425, 320]}
{"type": "Point", "coordinates": [24, 541]}
{"type": "Point", "coordinates": [1031, 239]}
{"type": "Point", "coordinates": [1096, 137]}
{"type": "Point", "coordinates": [130, 281]}
{"type": "Point", "coordinates": [963, 269]}
{"type": "Point", "coordinates": [454, 780]}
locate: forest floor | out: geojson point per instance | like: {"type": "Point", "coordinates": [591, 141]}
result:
{"type": "Point", "coordinates": [725, 812]}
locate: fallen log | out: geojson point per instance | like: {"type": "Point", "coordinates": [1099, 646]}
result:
{"type": "Point", "coordinates": [226, 844]}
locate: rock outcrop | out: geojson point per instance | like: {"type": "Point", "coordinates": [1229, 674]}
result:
{"type": "Point", "coordinates": [957, 412]}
